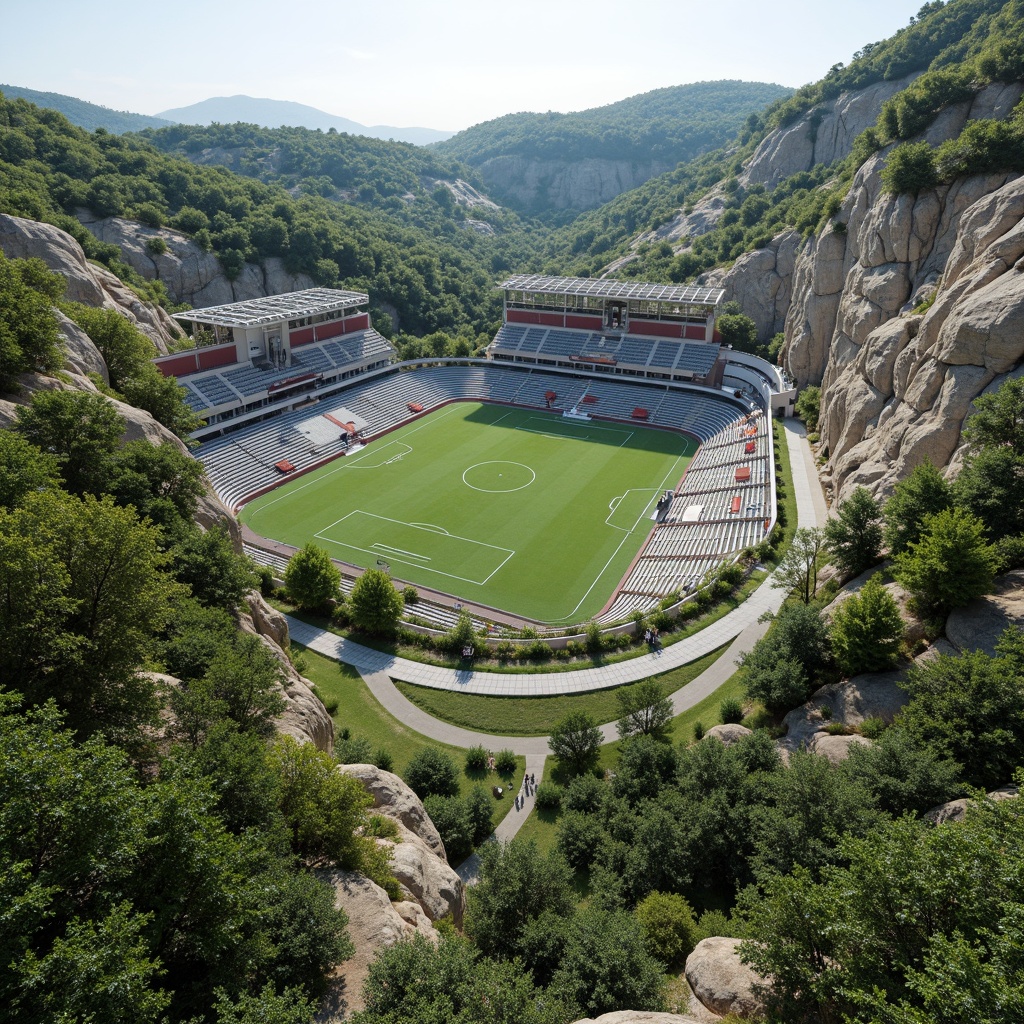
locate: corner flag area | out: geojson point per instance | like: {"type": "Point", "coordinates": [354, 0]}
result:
{"type": "Point", "coordinates": [517, 509]}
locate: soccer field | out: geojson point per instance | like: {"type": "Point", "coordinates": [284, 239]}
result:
{"type": "Point", "coordinates": [517, 509]}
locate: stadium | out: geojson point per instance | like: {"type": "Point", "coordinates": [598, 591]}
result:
{"type": "Point", "coordinates": [605, 455]}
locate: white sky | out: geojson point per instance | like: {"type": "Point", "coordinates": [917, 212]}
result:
{"type": "Point", "coordinates": [433, 64]}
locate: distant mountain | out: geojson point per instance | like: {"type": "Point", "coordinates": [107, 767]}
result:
{"type": "Point", "coordinates": [539, 163]}
{"type": "Point", "coordinates": [281, 113]}
{"type": "Point", "coordinates": [89, 116]}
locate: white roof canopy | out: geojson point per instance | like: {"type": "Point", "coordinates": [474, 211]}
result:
{"type": "Point", "coordinates": [603, 288]}
{"type": "Point", "coordinates": [274, 308]}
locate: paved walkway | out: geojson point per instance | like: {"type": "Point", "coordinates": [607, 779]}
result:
{"type": "Point", "coordinates": [741, 625]}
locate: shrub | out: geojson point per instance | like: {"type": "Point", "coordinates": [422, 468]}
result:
{"type": "Point", "coordinates": [266, 578]}
{"type": "Point", "coordinates": [667, 926]}
{"type": "Point", "coordinates": [505, 651]}
{"type": "Point", "coordinates": [595, 641]}
{"type": "Point", "coordinates": [354, 750]}
{"type": "Point", "coordinates": [505, 763]}
{"type": "Point", "coordinates": [549, 796]}
{"type": "Point", "coordinates": [410, 595]}
{"type": "Point", "coordinates": [910, 169]}
{"type": "Point", "coordinates": [731, 711]}
{"type": "Point", "coordinates": [480, 808]}
{"type": "Point", "coordinates": [476, 759]}
{"type": "Point", "coordinates": [450, 815]}
{"type": "Point", "coordinates": [431, 772]}
{"type": "Point", "coordinates": [312, 579]}
{"type": "Point", "coordinates": [580, 837]}
{"type": "Point", "coordinates": [156, 245]}
{"type": "Point", "coordinates": [383, 759]}
{"type": "Point", "coordinates": [380, 827]}
{"type": "Point", "coordinates": [872, 728]}
{"type": "Point", "coordinates": [585, 793]}
{"type": "Point", "coordinates": [698, 730]}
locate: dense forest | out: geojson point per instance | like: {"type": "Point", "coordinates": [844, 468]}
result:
{"type": "Point", "coordinates": [673, 125]}
{"type": "Point", "coordinates": [89, 116]}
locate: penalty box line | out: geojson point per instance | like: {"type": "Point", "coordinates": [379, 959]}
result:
{"type": "Point", "coordinates": [396, 553]}
{"type": "Point", "coordinates": [549, 431]}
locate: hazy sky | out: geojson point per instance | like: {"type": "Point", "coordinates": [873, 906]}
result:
{"type": "Point", "coordinates": [436, 64]}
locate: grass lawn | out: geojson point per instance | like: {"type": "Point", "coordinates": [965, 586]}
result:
{"type": "Point", "coordinates": [535, 716]}
{"type": "Point", "coordinates": [513, 508]}
{"type": "Point", "coordinates": [359, 711]}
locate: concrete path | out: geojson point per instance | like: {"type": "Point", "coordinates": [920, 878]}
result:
{"type": "Point", "coordinates": [742, 626]}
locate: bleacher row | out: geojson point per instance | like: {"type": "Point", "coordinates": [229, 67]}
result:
{"type": "Point", "coordinates": [734, 512]}
{"type": "Point", "coordinates": [247, 382]}
{"type": "Point", "coordinates": [631, 349]}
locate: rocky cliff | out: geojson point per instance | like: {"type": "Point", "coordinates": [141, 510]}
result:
{"type": "Point", "coordinates": [905, 308]}
{"type": "Point", "coordinates": [188, 272]}
{"type": "Point", "coordinates": [532, 183]}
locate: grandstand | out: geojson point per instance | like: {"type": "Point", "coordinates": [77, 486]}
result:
{"type": "Point", "coordinates": [309, 388]}
{"type": "Point", "coordinates": [273, 352]}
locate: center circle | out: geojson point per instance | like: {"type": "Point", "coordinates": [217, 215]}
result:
{"type": "Point", "coordinates": [498, 477]}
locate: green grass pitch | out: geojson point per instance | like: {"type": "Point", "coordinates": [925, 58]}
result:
{"type": "Point", "coordinates": [516, 509]}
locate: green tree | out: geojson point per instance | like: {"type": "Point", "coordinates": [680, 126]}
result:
{"type": "Point", "coordinates": [24, 468]}
{"type": "Point", "coordinates": [969, 709]}
{"type": "Point", "coordinates": [312, 579]}
{"type": "Point", "coordinates": [643, 710]}
{"type": "Point", "coordinates": [991, 487]}
{"type": "Point", "coordinates": [798, 569]}
{"type": "Point", "coordinates": [450, 815]}
{"type": "Point", "coordinates": [867, 630]}
{"type": "Point", "coordinates": [208, 564]}
{"type": "Point", "coordinates": [854, 536]}
{"type": "Point", "coordinates": [432, 772]}
{"type": "Point", "coordinates": [481, 813]}
{"type": "Point", "coordinates": [667, 926]}
{"type": "Point", "coordinates": [739, 331]}
{"type": "Point", "coordinates": [950, 565]}
{"type": "Point", "coordinates": [29, 338]}
{"type": "Point", "coordinates": [575, 741]}
{"type": "Point", "coordinates": [246, 679]}
{"type": "Point", "coordinates": [808, 406]}
{"type": "Point", "coordinates": [80, 428]}
{"type": "Point", "coordinates": [781, 669]}
{"type": "Point", "coordinates": [103, 589]}
{"type": "Point", "coordinates": [921, 494]}
{"type": "Point", "coordinates": [910, 169]}
{"type": "Point", "coordinates": [516, 885]}
{"type": "Point", "coordinates": [375, 605]}
{"type": "Point", "coordinates": [605, 965]}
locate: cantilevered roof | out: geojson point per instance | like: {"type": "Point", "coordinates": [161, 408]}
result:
{"type": "Point", "coordinates": [601, 288]}
{"type": "Point", "coordinates": [273, 308]}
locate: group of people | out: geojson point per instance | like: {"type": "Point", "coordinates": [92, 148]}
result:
{"type": "Point", "coordinates": [529, 787]}
{"type": "Point", "coordinates": [652, 639]}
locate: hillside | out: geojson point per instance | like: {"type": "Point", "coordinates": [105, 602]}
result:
{"type": "Point", "coordinates": [543, 162]}
{"type": "Point", "coordinates": [89, 116]}
{"type": "Point", "coordinates": [275, 113]}
{"type": "Point", "coordinates": [428, 276]}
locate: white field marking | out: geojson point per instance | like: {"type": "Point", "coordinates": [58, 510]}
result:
{"type": "Point", "coordinates": [431, 527]}
{"type": "Point", "coordinates": [352, 462]}
{"type": "Point", "coordinates": [614, 503]}
{"type": "Point", "coordinates": [640, 490]}
{"type": "Point", "coordinates": [509, 552]}
{"type": "Point", "coordinates": [669, 475]}
{"type": "Point", "coordinates": [499, 462]}
{"type": "Point", "coordinates": [401, 551]}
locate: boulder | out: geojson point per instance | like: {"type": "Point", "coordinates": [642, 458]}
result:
{"type": "Point", "coordinates": [266, 620]}
{"type": "Point", "coordinates": [426, 878]}
{"type": "Point", "coordinates": [728, 734]}
{"type": "Point", "coordinates": [956, 810]}
{"type": "Point", "coordinates": [836, 748]}
{"type": "Point", "coordinates": [978, 625]}
{"type": "Point", "coordinates": [373, 924]}
{"type": "Point", "coordinates": [80, 354]}
{"type": "Point", "coordinates": [394, 799]}
{"type": "Point", "coordinates": [721, 981]}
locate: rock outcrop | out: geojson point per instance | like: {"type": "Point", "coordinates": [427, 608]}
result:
{"type": "Point", "coordinates": [188, 272]}
{"type": "Point", "coordinates": [761, 282]}
{"type": "Point", "coordinates": [425, 878]}
{"type": "Point", "coordinates": [637, 1017]}
{"type": "Point", "coordinates": [395, 800]}
{"type": "Point", "coordinates": [721, 981]}
{"type": "Point", "coordinates": [728, 734]}
{"type": "Point", "coordinates": [373, 924]}
{"type": "Point", "coordinates": [534, 183]}
{"type": "Point", "coordinates": [88, 283]}
{"type": "Point", "coordinates": [979, 625]}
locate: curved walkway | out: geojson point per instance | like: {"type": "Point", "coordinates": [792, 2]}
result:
{"type": "Point", "coordinates": [811, 511]}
